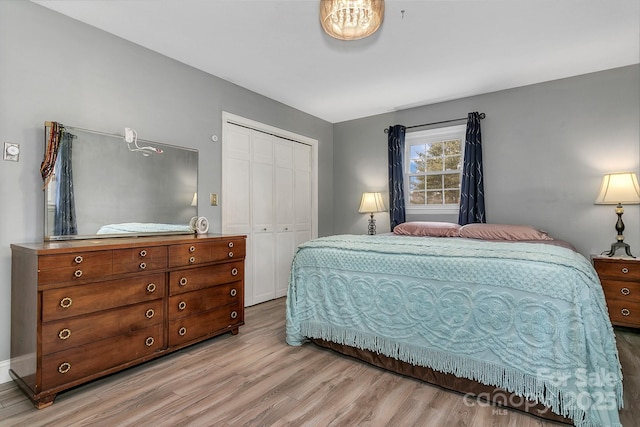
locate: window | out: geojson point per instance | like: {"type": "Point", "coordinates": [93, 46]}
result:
{"type": "Point", "coordinates": [433, 170]}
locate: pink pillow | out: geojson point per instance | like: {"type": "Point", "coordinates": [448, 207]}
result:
{"type": "Point", "coordinates": [430, 229]}
{"type": "Point", "coordinates": [502, 232]}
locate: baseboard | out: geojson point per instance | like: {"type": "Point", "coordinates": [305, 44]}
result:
{"type": "Point", "coordinates": [4, 371]}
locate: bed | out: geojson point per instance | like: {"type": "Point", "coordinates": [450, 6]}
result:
{"type": "Point", "coordinates": [523, 324]}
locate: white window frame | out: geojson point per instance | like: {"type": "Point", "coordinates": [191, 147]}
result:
{"type": "Point", "coordinates": [425, 137]}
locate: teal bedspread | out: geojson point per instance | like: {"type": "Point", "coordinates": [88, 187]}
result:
{"type": "Point", "coordinates": [529, 318]}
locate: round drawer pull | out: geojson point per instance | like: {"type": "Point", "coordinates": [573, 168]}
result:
{"type": "Point", "coordinates": [66, 302]}
{"type": "Point", "coordinates": [151, 287]}
{"type": "Point", "coordinates": [192, 249]}
{"type": "Point", "coordinates": [625, 270]}
{"type": "Point", "coordinates": [234, 314]}
{"type": "Point", "coordinates": [149, 341]}
{"type": "Point", "coordinates": [192, 260]}
{"type": "Point", "coordinates": [234, 271]}
{"type": "Point", "coordinates": [230, 245]}
{"type": "Point", "coordinates": [182, 331]}
{"type": "Point", "coordinates": [625, 291]}
{"type": "Point", "coordinates": [230, 254]}
{"type": "Point", "coordinates": [143, 265]}
{"type": "Point", "coordinates": [149, 313]}
{"type": "Point", "coordinates": [64, 334]}
{"type": "Point", "coordinates": [182, 305]}
{"type": "Point", "coordinates": [625, 312]}
{"type": "Point", "coordinates": [64, 367]}
{"type": "Point", "coordinates": [78, 273]}
{"type": "Point", "coordinates": [183, 281]}
{"type": "Point", "coordinates": [78, 259]}
{"type": "Point", "coordinates": [233, 292]}
{"type": "Point", "coordinates": [143, 253]}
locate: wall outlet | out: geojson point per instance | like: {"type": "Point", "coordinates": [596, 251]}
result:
{"type": "Point", "coordinates": [214, 199]}
{"type": "Point", "coordinates": [11, 152]}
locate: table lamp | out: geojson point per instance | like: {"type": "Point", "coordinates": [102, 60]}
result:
{"type": "Point", "coordinates": [372, 203]}
{"type": "Point", "coordinates": [616, 189]}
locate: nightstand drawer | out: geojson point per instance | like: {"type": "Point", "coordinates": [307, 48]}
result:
{"type": "Point", "coordinates": [624, 291]}
{"type": "Point", "coordinates": [617, 268]}
{"type": "Point", "coordinates": [624, 313]}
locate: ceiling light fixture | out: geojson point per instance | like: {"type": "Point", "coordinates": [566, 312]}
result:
{"type": "Point", "coordinates": [351, 19]}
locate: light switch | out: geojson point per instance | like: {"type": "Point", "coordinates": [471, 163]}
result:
{"type": "Point", "coordinates": [11, 152]}
{"type": "Point", "coordinates": [214, 199]}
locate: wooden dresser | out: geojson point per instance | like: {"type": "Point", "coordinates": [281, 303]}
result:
{"type": "Point", "coordinates": [82, 309]}
{"type": "Point", "coordinates": [620, 278]}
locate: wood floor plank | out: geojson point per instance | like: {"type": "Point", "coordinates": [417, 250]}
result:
{"type": "Point", "coordinates": [256, 379]}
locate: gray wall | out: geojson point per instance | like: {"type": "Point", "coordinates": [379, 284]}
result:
{"type": "Point", "coordinates": [55, 68]}
{"type": "Point", "coordinates": [545, 148]}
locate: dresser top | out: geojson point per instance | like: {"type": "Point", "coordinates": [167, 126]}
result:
{"type": "Point", "coordinates": [62, 246]}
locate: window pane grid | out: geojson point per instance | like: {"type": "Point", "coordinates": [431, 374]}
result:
{"type": "Point", "coordinates": [433, 172]}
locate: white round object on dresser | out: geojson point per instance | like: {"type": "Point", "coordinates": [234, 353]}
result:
{"type": "Point", "coordinates": [202, 225]}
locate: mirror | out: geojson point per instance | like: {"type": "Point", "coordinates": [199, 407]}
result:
{"type": "Point", "coordinates": [103, 186]}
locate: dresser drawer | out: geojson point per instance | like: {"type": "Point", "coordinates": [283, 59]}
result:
{"type": "Point", "coordinates": [91, 359]}
{"type": "Point", "coordinates": [624, 313]}
{"type": "Point", "coordinates": [203, 277]}
{"type": "Point", "coordinates": [64, 334]}
{"type": "Point", "coordinates": [617, 269]}
{"type": "Point", "coordinates": [624, 291]}
{"type": "Point", "coordinates": [190, 303]}
{"type": "Point", "coordinates": [77, 266]}
{"type": "Point", "coordinates": [205, 252]}
{"type": "Point", "coordinates": [82, 299]}
{"type": "Point", "coordinates": [210, 322]}
{"type": "Point", "coordinates": [139, 259]}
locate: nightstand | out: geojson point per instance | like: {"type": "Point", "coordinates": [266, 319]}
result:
{"type": "Point", "coordinates": [620, 278]}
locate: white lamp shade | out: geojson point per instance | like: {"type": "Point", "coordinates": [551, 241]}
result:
{"type": "Point", "coordinates": [619, 188]}
{"type": "Point", "coordinates": [371, 202]}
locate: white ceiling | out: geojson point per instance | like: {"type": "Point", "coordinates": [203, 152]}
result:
{"type": "Point", "coordinates": [439, 50]}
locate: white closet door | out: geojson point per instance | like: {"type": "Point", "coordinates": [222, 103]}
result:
{"type": "Point", "coordinates": [262, 212]}
{"type": "Point", "coordinates": [302, 193]}
{"type": "Point", "coordinates": [235, 200]}
{"type": "Point", "coordinates": [285, 224]}
{"type": "Point", "coordinates": [269, 194]}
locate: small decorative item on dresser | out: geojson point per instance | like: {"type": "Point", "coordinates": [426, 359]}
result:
{"type": "Point", "coordinates": [620, 279]}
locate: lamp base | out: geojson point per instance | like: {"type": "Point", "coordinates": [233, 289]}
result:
{"type": "Point", "coordinates": [372, 225]}
{"type": "Point", "coordinates": [617, 245]}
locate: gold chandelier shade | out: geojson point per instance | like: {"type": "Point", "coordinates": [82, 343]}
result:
{"type": "Point", "coordinates": [351, 19]}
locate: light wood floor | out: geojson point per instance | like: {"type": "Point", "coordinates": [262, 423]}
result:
{"type": "Point", "coordinates": [256, 379]}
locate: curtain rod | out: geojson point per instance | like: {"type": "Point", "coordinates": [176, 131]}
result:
{"type": "Point", "coordinates": [482, 116]}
